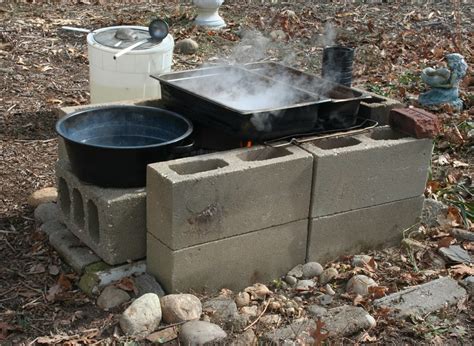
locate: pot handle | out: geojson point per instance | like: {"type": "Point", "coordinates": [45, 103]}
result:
{"type": "Point", "coordinates": [184, 148]}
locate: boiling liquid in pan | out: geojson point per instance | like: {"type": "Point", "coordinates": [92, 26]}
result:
{"type": "Point", "coordinates": [123, 141]}
{"type": "Point", "coordinates": [244, 92]}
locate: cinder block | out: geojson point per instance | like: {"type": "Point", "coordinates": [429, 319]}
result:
{"type": "Point", "coordinates": [234, 263]}
{"type": "Point", "coordinates": [362, 229]}
{"type": "Point", "coordinates": [200, 199]}
{"type": "Point", "coordinates": [72, 250]}
{"type": "Point", "coordinates": [360, 171]}
{"type": "Point", "coordinates": [378, 107]}
{"type": "Point", "coordinates": [112, 222]}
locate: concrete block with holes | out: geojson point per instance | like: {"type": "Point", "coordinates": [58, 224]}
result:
{"type": "Point", "coordinates": [112, 222]}
{"type": "Point", "coordinates": [378, 107]}
{"type": "Point", "coordinates": [360, 230]}
{"type": "Point", "coordinates": [365, 170]}
{"type": "Point", "coordinates": [200, 199]}
{"type": "Point", "coordinates": [235, 262]}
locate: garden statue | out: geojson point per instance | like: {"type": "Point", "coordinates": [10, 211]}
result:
{"type": "Point", "coordinates": [207, 13]}
{"type": "Point", "coordinates": [444, 83]}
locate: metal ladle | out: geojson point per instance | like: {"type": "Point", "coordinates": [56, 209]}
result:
{"type": "Point", "coordinates": [158, 30]}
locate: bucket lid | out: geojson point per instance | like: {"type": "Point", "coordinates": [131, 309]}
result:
{"type": "Point", "coordinates": [121, 37]}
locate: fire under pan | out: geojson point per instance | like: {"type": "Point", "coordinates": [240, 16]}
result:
{"type": "Point", "coordinates": [253, 106]}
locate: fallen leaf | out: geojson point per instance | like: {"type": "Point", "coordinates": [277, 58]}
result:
{"type": "Point", "coordinates": [462, 270]}
{"type": "Point", "coordinates": [377, 291]}
{"type": "Point", "coordinates": [443, 160]}
{"type": "Point", "coordinates": [367, 338]}
{"type": "Point", "coordinates": [359, 300]}
{"type": "Point", "coordinates": [64, 282]}
{"type": "Point", "coordinates": [454, 215]}
{"type": "Point", "coordinates": [457, 164]}
{"type": "Point", "coordinates": [5, 329]}
{"type": "Point", "coordinates": [53, 292]}
{"type": "Point", "coordinates": [317, 333]}
{"type": "Point", "coordinates": [445, 242]}
{"type": "Point", "coordinates": [37, 269]}
{"type": "Point", "coordinates": [127, 284]}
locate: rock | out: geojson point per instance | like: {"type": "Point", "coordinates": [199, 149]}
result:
{"type": "Point", "coordinates": [431, 210]}
{"type": "Point", "coordinates": [70, 248]}
{"type": "Point", "coordinates": [329, 290]}
{"type": "Point", "coordinates": [111, 297]}
{"type": "Point", "coordinates": [299, 329]}
{"type": "Point", "coordinates": [270, 320]}
{"type": "Point", "coordinates": [53, 226]}
{"type": "Point", "coordinates": [143, 316]}
{"type": "Point", "coordinates": [360, 260]}
{"type": "Point", "coordinates": [456, 254]}
{"type": "Point", "coordinates": [317, 311]}
{"type": "Point", "coordinates": [394, 269]}
{"type": "Point", "coordinates": [296, 272]}
{"type": "Point", "coordinates": [278, 35]}
{"type": "Point", "coordinates": [47, 212]}
{"type": "Point", "coordinates": [305, 285]}
{"type": "Point", "coordinates": [423, 299]}
{"type": "Point", "coordinates": [180, 307]}
{"type": "Point", "coordinates": [251, 311]}
{"type": "Point", "coordinates": [242, 299]}
{"type": "Point", "coordinates": [347, 320]}
{"type": "Point", "coordinates": [220, 310]}
{"type": "Point", "coordinates": [274, 305]}
{"type": "Point", "coordinates": [146, 283]}
{"type": "Point", "coordinates": [325, 299]}
{"type": "Point", "coordinates": [186, 46]}
{"type": "Point", "coordinates": [312, 269]}
{"type": "Point", "coordinates": [462, 234]}
{"type": "Point", "coordinates": [468, 283]}
{"type": "Point", "coordinates": [246, 338]}
{"type": "Point", "coordinates": [291, 280]}
{"type": "Point", "coordinates": [328, 275]}
{"type": "Point", "coordinates": [163, 336]}
{"type": "Point", "coordinates": [360, 284]}
{"type": "Point", "coordinates": [239, 322]}
{"type": "Point", "coordinates": [46, 195]}
{"type": "Point", "coordinates": [258, 291]}
{"type": "Point", "coordinates": [200, 332]}
{"type": "Point", "coordinates": [415, 122]}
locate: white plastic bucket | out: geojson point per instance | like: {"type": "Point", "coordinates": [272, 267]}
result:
{"type": "Point", "coordinates": [127, 77]}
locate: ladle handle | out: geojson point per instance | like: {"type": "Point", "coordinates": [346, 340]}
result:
{"type": "Point", "coordinates": [129, 48]}
{"type": "Point", "coordinates": [71, 28]}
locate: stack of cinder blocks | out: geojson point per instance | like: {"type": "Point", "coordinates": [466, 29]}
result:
{"type": "Point", "coordinates": [228, 219]}
{"type": "Point", "coordinates": [366, 190]}
{"type": "Point", "coordinates": [233, 218]}
{"type": "Point", "coordinates": [112, 222]}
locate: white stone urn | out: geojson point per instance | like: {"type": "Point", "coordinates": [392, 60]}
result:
{"type": "Point", "coordinates": [208, 14]}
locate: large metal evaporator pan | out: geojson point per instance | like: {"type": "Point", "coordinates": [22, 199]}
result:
{"type": "Point", "coordinates": [259, 101]}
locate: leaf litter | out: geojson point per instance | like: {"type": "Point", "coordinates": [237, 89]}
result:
{"type": "Point", "coordinates": [43, 67]}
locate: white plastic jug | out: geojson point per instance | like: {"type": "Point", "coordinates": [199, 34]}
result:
{"type": "Point", "coordinates": [127, 77]}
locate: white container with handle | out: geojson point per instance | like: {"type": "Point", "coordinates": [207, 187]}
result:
{"type": "Point", "coordinates": [127, 77]}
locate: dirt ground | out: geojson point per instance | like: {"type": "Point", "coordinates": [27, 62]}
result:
{"type": "Point", "coordinates": [43, 68]}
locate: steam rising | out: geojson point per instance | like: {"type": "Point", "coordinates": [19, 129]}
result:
{"type": "Point", "coordinates": [329, 37]}
{"type": "Point", "coordinates": [254, 91]}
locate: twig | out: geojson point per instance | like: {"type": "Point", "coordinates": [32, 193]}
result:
{"type": "Point", "coordinates": [35, 140]}
{"type": "Point", "coordinates": [172, 325]}
{"type": "Point", "coordinates": [259, 316]}
{"type": "Point", "coordinates": [32, 302]}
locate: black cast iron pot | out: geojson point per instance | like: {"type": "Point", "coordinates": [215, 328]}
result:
{"type": "Point", "coordinates": [111, 146]}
